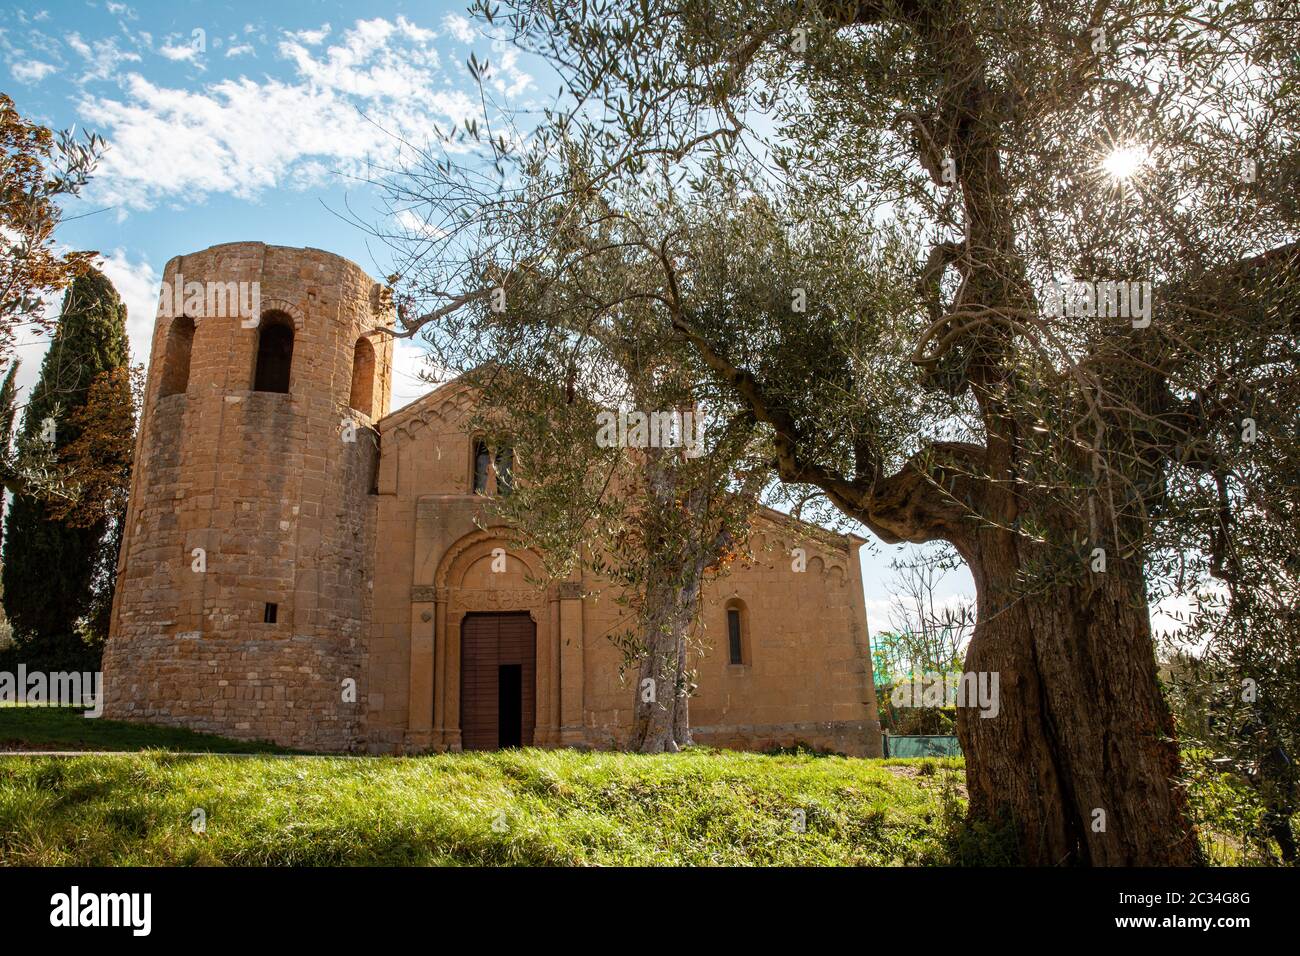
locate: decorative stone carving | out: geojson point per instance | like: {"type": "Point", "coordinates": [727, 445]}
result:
{"type": "Point", "coordinates": [495, 599]}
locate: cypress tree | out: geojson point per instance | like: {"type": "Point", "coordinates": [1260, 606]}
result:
{"type": "Point", "coordinates": [8, 409]}
{"type": "Point", "coordinates": [49, 564]}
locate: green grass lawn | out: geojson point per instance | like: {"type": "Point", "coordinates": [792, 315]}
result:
{"type": "Point", "coordinates": [533, 807]}
{"type": "Point", "coordinates": [529, 807]}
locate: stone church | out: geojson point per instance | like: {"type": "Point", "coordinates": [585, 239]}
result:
{"type": "Point", "coordinates": [301, 565]}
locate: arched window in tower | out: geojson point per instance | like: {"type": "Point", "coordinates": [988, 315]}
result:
{"type": "Point", "coordinates": [505, 469]}
{"type": "Point", "coordinates": [363, 377]}
{"type": "Point", "coordinates": [274, 353]}
{"type": "Point", "coordinates": [176, 360]}
{"type": "Point", "coordinates": [482, 461]}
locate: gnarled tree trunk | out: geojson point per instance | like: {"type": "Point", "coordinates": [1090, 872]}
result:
{"type": "Point", "coordinates": [1080, 756]}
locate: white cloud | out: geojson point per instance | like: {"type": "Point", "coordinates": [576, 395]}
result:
{"type": "Point", "coordinates": [309, 37]}
{"type": "Point", "coordinates": [371, 61]}
{"type": "Point", "coordinates": [239, 50]}
{"type": "Point", "coordinates": [102, 57]}
{"type": "Point", "coordinates": [408, 362]}
{"type": "Point", "coordinates": [519, 80]}
{"type": "Point", "coordinates": [459, 27]}
{"type": "Point", "coordinates": [138, 284]}
{"type": "Point", "coordinates": [415, 224]}
{"type": "Point", "coordinates": [181, 52]}
{"type": "Point", "coordinates": [32, 71]}
{"type": "Point", "coordinates": [347, 104]}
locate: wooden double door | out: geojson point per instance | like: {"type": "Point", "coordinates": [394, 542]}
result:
{"type": "Point", "coordinates": [498, 681]}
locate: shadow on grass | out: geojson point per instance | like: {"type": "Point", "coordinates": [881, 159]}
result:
{"type": "Point", "coordinates": [36, 727]}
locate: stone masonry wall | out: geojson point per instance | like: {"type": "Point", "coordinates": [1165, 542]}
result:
{"type": "Point", "coordinates": [280, 503]}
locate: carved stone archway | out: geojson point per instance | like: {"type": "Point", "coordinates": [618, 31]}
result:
{"type": "Point", "coordinates": [481, 573]}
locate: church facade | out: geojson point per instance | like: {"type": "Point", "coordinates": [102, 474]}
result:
{"type": "Point", "coordinates": [299, 565]}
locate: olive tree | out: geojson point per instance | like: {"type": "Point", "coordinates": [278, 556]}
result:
{"type": "Point", "coordinates": [1020, 280]}
{"type": "Point", "coordinates": [622, 459]}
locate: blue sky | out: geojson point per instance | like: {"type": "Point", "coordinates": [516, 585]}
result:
{"type": "Point", "coordinates": [233, 123]}
{"type": "Point", "coordinates": [255, 121]}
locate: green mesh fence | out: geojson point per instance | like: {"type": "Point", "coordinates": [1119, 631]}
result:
{"type": "Point", "coordinates": [919, 745]}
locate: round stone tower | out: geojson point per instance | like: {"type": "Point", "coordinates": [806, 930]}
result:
{"type": "Point", "coordinates": [243, 585]}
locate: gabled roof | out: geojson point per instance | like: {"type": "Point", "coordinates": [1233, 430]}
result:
{"type": "Point", "coordinates": [781, 518]}
{"type": "Point", "coordinates": [425, 403]}
{"type": "Point", "coordinates": [421, 405]}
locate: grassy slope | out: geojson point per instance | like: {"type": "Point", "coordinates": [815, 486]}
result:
{"type": "Point", "coordinates": [548, 808]}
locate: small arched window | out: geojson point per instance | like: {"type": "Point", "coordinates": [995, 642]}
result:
{"type": "Point", "coordinates": [482, 462]}
{"type": "Point", "coordinates": [363, 377]}
{"type": "Point", "coordinates": [176, 360]}
{"type": "Point", "coordinates": [737, 636]}
{"type": "Point", "coordinates": [274, 353]}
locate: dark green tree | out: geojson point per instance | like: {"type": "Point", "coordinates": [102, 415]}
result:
{"type": "Point", "coordinates": [8, 410]}
{"type": "Point", "coordinates": [50, 562]}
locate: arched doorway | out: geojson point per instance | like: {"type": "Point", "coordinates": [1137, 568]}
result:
{"type": "Point", "coordinates": [469, 580]}
{"type": "Point", "coordinates": [498, 667]}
